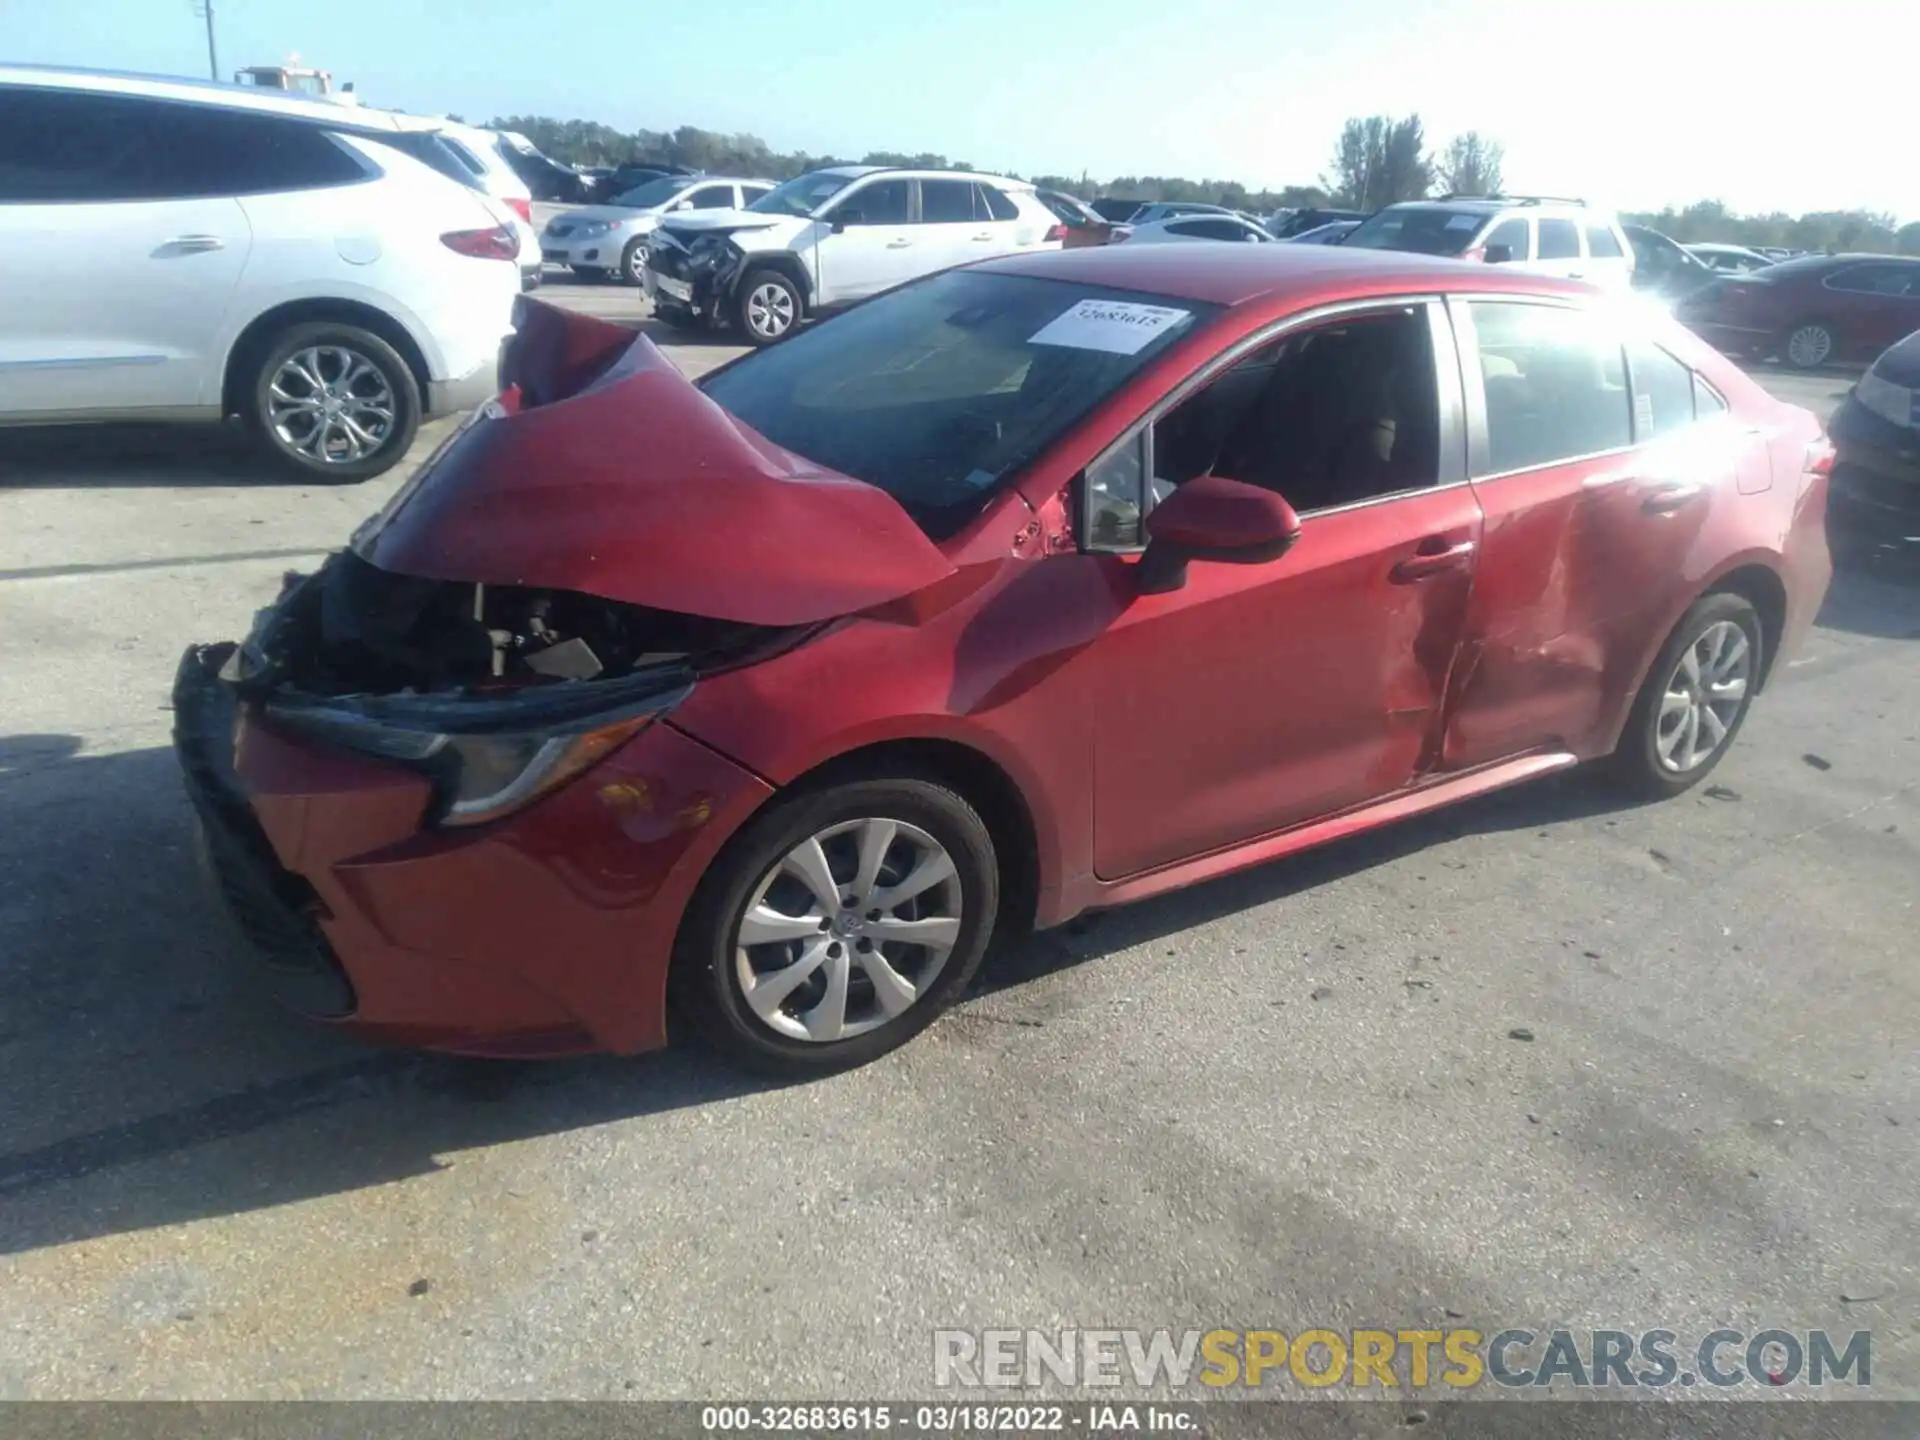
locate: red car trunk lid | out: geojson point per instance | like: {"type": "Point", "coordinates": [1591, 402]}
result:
{"type": "Point", "coordinates": [603, 470]}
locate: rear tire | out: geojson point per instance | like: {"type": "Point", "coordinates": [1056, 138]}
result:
{"type": "Point", "coordinates": [332, 402]}
{"type": "Point", "coordinates": [831, 982]}
{"type": "Point", "coordinates": [1809, 345]}
{"type": "Point", "coordinates": [767, 308]}
{"type": "Point", "coordinates": [1694, 700]}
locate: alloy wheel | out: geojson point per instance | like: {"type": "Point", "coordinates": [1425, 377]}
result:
{"type": "Point", "coordinates": [1810, 346]}
{"type": "Point", "coordinates": [331, 404]}
{"type": "Point", "coordinates": [770, 310]}
{"type": "Point", "coordinates": [1703, 697]}
{"type": "Point", "coordinates": [637, 263]}
{"type": "Point", "coordinates": [848, 930]}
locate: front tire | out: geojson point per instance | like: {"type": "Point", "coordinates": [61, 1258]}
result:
{"type": "Point", "coordinates": [333, 402]}
{"type": "Point", "coordinates": [839, 924]}
{"type": "Point", "coordinates": [1694, 699]}
{"type": "Point", "coordinates": [633, 263]}
{"type": "Point", "coordinates": [768, 307]}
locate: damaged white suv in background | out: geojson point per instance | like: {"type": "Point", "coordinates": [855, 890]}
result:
{"type": "Point", "coordinates": [834, 237]}
{"type": "Point", "coordinates": [180, 251]}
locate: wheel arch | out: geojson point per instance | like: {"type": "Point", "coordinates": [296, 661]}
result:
{"type": "Point", "coordinates": [1761, 586]}
{"type": "Point", "coordinates": [784, 261]}
{"type": "Point", "coordinates": [259, 333]}
{"type": "Point", "coordinates": [978, 778]}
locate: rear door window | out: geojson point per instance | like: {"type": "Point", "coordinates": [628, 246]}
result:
{"type": "Point", "coordinates": [89, 148]}
{"type": "Point", "coordinates": [946, 202]}
{"type": "Point", "coordinates": [1554, 383]}
{"type": "Point", "coordinates": [1601, 244]}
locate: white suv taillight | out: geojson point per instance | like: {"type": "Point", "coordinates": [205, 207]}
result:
{"type": "Point", "coordinates": [498, 243]}
{"type": "Point", "coordinates": [520, 207]}
{"type": "Point", "coordinates": [1055, 233]}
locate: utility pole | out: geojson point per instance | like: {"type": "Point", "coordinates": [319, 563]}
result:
{"type": "Point", "coordinates": [205, 8]}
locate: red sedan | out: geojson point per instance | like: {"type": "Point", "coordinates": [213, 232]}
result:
{"type": "Point", "coordinates": [1030, 588]}
{"type": "Point", "coordinates": [1810, 311]}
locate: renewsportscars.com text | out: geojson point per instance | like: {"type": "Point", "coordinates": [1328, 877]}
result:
{"type": "Point", "coordinates": [1397, 1359]}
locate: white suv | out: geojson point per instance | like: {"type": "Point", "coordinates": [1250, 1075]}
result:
{"type": "Point", "coordinates": [180, 251]}
{"type": "Point", "coordinates": [833, 237]}
{"type": "Point", "coordinates": [1540, 234]}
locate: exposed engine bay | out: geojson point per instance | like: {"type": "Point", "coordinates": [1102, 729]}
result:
{"type": "Point", "coordinates": [351, 628]}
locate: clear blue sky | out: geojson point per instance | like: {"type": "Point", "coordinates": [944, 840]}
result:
{"type": "Point", "coordinates": [1633, 103]}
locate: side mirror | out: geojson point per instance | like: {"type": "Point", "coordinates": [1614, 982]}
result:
{"type": "Point", "coordinates": [1212, 518]}
{"type": "Point", "coordinates": [681, 205]}
{"type": "Point", "coordinates": [1499, 254]}
{"type": "Point", "coordinates": [843, 218]}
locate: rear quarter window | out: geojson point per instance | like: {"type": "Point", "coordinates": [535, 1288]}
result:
{"type": "Point", "coordinates": [1601, 244]}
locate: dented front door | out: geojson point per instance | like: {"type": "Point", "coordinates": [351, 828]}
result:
{"type": "Point", "coordinates": [1260, 696]}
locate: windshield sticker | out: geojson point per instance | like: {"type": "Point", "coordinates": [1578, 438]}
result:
{"type": "Point", "coordinates": [1463, 222]}
{"type": "Point", "coordinates": [1118, 327]}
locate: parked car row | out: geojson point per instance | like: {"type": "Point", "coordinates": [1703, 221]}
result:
{"type": "Point", "coordinates": [182, 251]}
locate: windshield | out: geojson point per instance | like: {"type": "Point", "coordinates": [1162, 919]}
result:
{"type": "Point", "coordinates": [657, 191]}
{"type": "Point", "coordinates": [1420, 229]}
{"type": "Point", "coordinates": [938, 391]}
{"type": "Point", "coordinates": [801, 195]}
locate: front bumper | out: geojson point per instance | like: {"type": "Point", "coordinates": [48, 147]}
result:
{"type": "Point", "coordinates": [602, 251]}
{"type": "Point", "coordinates": [1873, 497]}
{"type": "Point", "coordinates": [546, 932]}
{"type": "Point", "coordinates": [700, 286]}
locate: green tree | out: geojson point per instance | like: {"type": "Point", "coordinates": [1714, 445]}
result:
{"type": "Point", "coordinates": [1380, 160]}
{"type": "Point", "coordinates": [1471, 165]}
{"type": "Point", "coordinates": [1907, 242]}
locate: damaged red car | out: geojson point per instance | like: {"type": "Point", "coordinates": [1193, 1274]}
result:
{"type": "Point", "coordinates": [1026, 589]}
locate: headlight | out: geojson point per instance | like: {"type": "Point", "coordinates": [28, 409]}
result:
{"type": "Point", "coordinates": [496, 774]}
{"type": "Point", "coordinates": [489, 754]}
{"type": "Point", "coordinates": [1890, 402]}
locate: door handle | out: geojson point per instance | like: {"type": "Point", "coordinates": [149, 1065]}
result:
{"type": "Point", "coordinates": [1668, 498]}
{"type": "Point", "coordinates": [1432, 558]}
{"type": "Point", "coordinates": [189, 245]}
{"type": "Point", "coordinates": [898, 244]}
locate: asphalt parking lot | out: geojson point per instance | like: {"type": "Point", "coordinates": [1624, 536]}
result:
{"type": "Point", "coordinates": [1288, 1098]}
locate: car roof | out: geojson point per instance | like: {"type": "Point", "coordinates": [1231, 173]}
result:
{"type": "Point", "coordinates": [1189, 217]}
{"type": "Point", "coordinates": [1276, 275]}
{"type": "Point", "coordinates": [915, 172]}
{"type": "Point", "coordinates": [212, 93]}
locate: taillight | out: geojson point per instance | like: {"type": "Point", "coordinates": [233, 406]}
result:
{"type": "Point", "coordinates": [522, 208]}
{"type": "Point", "coordinates": [1057, 232]}
{"type": "Point", "coordinates": [499, 243]}
{"type": "Point", "coordinates": [1820, 455]}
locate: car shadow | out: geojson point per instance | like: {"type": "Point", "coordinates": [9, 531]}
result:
{"type": "Point", "coordinates": [1877, 598]}
{"type": "Point", "coordinates": [1554, 799]}
{"type": "Point", "coordinates": [204, 457]}
{"type": "Point", "coordinates": [134, 455]}
{"type": "Point", "coordinates": [145, 1082]}
{"type": "Point", "coordinates": [143, 1079]}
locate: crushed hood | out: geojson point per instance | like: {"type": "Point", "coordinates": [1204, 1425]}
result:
{"type": "Point", "coordinates": [601, 469]}
{"type": "Point", "coordinates": [703, 222]}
